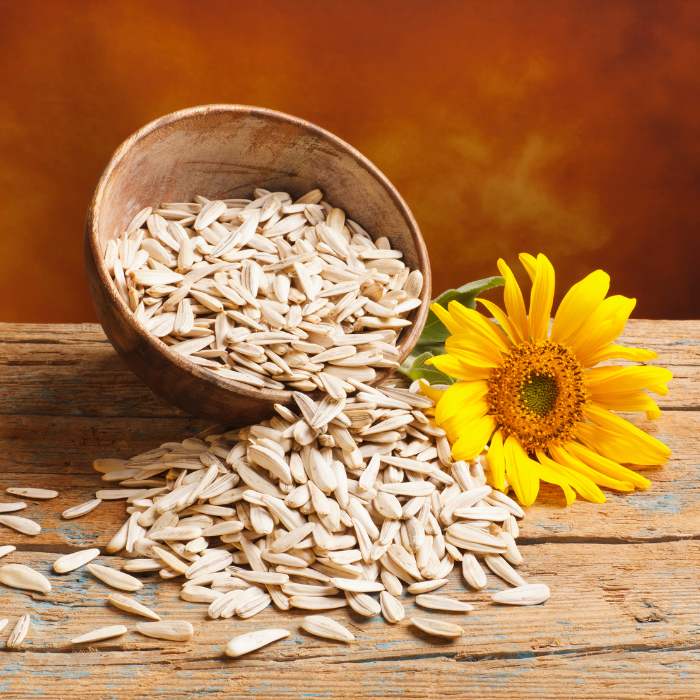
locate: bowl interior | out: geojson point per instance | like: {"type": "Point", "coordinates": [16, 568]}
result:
{"type": "Point", "coordinates": [224, 151]}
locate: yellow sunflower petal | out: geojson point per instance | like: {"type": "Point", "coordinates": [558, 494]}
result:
{"type": "Point", "coordinates": [460, 424]}
{"type": "Point", "coordinates": [541, 298]}
{"type": "Point", "coordinates": [445, 316]}
{"type": "Point", "coordinates": [598, 338]}
{"type": "Point", "coordinates": [578, 304]}
{"type": "Point", "coordinates": [454, 367]}
{"type": "Point", "coordinates": [474, 350]}
{"type": "Point", "coordinates": [616, 446]}
{"type": "Point", "coordinates": [607, 419]}
{"type": "Point", "coordinates": [513, 299]}
{"type": "Point", "coordinates": [457, 397]}
{"type": "Point", "coordinates": [614, 352]}
{"type": "Point", "coordinates": [529, 262]}
{"type": "Point", "coordinates": [470, 445]}
{"type": "Point", "coordinates": [615, 309]}
{"type": "Point", "coordinates": [479, 324]}
{"type": "Point", "coordinates": [606, 466]}
{"type": "Point", "coordinates": [551, 476]}
{"type": "Point", "coordinates": [658, 389]}
{"type": "Point", "coordinates": [561, 456]}
{"type": "Point", "coordinates": [497, 461]}
{"type": "Point", "coordinates": [521, 472]}
{"type": "Point", "coordinates": [584, 486]}
{"type": "Point", "coordinates": [503, 320]}
{"type": "Point", "coordinates": [628, 401]}
{"type": "Point", "coordinates": [604, 380]}
{"type": "Point", "coordinates": [429, 391]}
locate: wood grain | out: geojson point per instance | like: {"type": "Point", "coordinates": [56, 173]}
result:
{"type": "Point", "coordinates": [623, 620]}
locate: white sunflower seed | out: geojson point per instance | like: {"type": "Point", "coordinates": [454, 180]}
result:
{"type": "Point", "coordinates": [392, 610]}
{"type": "Point", "coordinates": [503, 569]}
{"type": "Point", "coordinates": [173, 630]}
{"type": "Point", "coordinates": [440, 602]}
{"type": "Point", "coordinates": [23, 525]}
{"type": "Point", "coordinates": [19, 632]}
{"type": "Point", "coordinates": [21, 576]}
{"type": "Point", "coordinates": [97, 635]}
{"type": "Point", "coordinates": [322, 626]}
{"type": "Point", "coordinates": [82, 509]}
{"type": "Point", "coordinates": [41, 494]}
{"type": "Point", "coordinates": [114, 578]}
{"type": "Point", "coordinates": [530, 594]}
{"type": "Point", "coordinates": [71, 562]}
{"type": "Point", "coordinates": [426, 586]}
{"type": "Point", "coordinates": [251, 641]}
{"type": "Point", "coordinates": [11, 507]}
{"type": "Point", "coordinates": [438, 628]}
{"type": "Point", "coordinates": [128, 604]}
{"type": "Point", "coordinates": [6, 549]}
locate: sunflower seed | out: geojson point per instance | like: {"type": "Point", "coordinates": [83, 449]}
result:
{"type": "Point", "coordinates": [128, 604]}
{"type": "Point", "coordinates": [104, 633]}
{"type": "Point", "coordinates": [503, 569]}
{"type": "Point", "coordinates": [10, 507]}
{"type": "Point", "coordinates": [71, 562]}
{"type": "Point", "coordinates": [437, 628]}
{"type": "Point", "coordinates": [42, 494]}
{"type": "Point", "coordinates": [322, 626]}
{"type": "Point", "coordinates": [512, 553]}
{"type": "Point", "coordinates": [357, 585]}
{"type": "Point", "coordinates": [439, 602]}
{"type": "Point", "coordinates": [23, 525]}
{"type": "Point", "coordinates": [306, 602]}
{"type": "Point", "coordinates": [21, 576]}
{"type": "Point", "coordinates": [173, 630]}
{"type": "Point", "coordinates": [472, 573]}
{"type": "Point", "coordinates": [392, 610]}
{"type": "Point", "coordinates": [530, 594]}
{"type": "Point", "coordinates": [200, 594]}
{"type": "Point", "coordinates": [19, 632]}
{"type": "Point", "coordinates": [171, 560]}
{"type": "Point", "coordinates": [6, 549]}
{"type": "Point", "coordinates": [363, 604]}
{"type": "Point", "coordinates": [211, 563]}
{"type": "Point", "coordinates": [426, 586]}
{"type": "Point", "coordinates": [114, 578]}
{"type": "Point", "coordinates": [251, 641]}
{"type": "Point", "coordinates": [82, 509]}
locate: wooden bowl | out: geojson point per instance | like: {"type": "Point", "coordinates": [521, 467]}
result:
{"type": "Point", "coordinates": [225, 151]}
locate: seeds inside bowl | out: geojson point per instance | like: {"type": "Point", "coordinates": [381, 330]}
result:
{"type": "Point", "coordinates": [270, 292]}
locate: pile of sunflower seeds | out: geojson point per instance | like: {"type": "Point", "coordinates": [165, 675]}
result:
{"type": "Point", "coordinates": [270, 292]}
{"type": "Point", "coordinates": [319, 508]}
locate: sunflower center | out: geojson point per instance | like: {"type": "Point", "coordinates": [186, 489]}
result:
{"type": "Point", "coordinates": [538, 394]}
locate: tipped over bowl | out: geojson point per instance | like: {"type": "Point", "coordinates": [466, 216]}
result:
{"type": "Point", "coordinates": [224, 152]}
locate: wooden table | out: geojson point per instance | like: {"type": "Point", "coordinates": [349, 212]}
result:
{"type": "Point", "coordinates": [623, 620]}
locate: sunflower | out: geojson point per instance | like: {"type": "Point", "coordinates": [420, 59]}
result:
{"type": "Point", "coordinates": [536, 393]}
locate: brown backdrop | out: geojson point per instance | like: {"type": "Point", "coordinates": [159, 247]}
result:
{"type": "Point", "coordinates": [570, 128]}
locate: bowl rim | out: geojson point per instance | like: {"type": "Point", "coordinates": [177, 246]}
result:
{"type": "Point", "coordinates": [282, 396]}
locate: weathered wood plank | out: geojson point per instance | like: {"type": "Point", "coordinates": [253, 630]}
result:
{"type": "Point", "coordinates": [622, 621]}
{"type": "Point", "coordinates": [608, 601]}
{"type": "Point", "coordinates": [57, 452]}
{"type": "Point", "coordinates": [616, 675]}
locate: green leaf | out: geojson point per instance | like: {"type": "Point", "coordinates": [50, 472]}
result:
{"type": "Point", "coordinates": [434, 335]}
{"type": "Point", "coordinates": [414, 366]}
{"type": "Point", "coordinates": [434, 330]}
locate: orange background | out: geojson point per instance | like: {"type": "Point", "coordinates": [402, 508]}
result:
{"type": "Point", "coordinates": [569, 128]}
